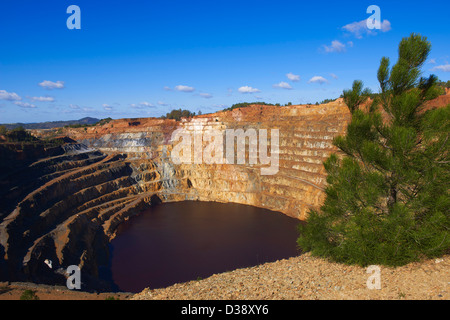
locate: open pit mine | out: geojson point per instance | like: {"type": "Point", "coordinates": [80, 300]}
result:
{"type": "Point", "coordinates": [64, 204]}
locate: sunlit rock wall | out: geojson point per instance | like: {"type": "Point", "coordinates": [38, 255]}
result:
{"type": "Point", "coordinates": [305, 141]}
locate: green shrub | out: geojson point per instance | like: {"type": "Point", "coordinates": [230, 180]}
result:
{"type": "Point", "coordinates": [19, 134]}
{"type": "Point", "coordinates": [29, 295]}
{"type": "Point", "coordinates": [178, 114]}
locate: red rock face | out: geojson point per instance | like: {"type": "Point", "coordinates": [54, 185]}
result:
{"type": "Point", "coordinates": [305, 141]}
{"type": "Point", "coordinates": [440, 101]}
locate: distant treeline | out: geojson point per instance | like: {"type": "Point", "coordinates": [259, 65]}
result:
{"type": "Point", "coordinates": [179, 113]}
{"type": "Point", "coordinates": [18, 134]}
{"type": "Point", "coordinates": [83, 125]}
{"type": "Point", "coordinates": [247, 104]}
{"type": "Point", "coordinates": [22, 136]}
{"type": "Point", "coordinates": [444, 84]}
{"type": "Point", "coordinates": [52, 124]}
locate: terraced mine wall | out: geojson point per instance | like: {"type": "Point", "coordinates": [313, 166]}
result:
{"type": "Point", "coordinates": [305, 141]}
{"type": "Point", "coordinates": [65, 207]}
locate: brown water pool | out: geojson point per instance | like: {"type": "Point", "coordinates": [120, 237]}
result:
{"type": "Point", "coordinates": [182, 241]}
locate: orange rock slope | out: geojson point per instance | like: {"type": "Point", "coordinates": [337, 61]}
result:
{"type": "Point", "coordinates": [305, 141]}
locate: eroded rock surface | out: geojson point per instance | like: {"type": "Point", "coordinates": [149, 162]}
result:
{"type": "Point", "coordinates": [76, 201]}
{"type": "Point", "coordinates": [305, 141]}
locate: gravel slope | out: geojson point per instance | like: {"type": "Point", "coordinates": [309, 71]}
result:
{"type": "Point", "coordinates": [307, 277]}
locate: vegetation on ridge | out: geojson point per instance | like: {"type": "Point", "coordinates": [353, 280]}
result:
{"type": "Point", "coordinates": [85, 125]}
{"type": "Point", "coordinates": [387, 200]}
{"type": "Point", "coordinates": [51, 124]}
{"type": "Point", "coordinates": [20, 136]}
{"type": "Point", "coordinates": [178, 114]}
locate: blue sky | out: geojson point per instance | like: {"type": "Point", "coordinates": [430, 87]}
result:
{"type": "Point", "coordinates": [145, 58]}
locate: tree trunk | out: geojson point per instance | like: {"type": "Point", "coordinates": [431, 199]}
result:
{"type": "Point", "coordinates": [392, 199]}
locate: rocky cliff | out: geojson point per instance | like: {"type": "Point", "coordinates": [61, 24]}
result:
{"type": "Point", "coordinates": [66, 210]}
{"type": "Point", "coordinates": [305, 141]}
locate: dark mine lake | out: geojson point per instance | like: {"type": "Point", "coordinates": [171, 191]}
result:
{"type": "Point", "coordinates": [182, 241]}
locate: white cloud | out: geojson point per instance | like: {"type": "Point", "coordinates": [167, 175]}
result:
{"type": "Point", "coordinates": [293, 77]}
{"type": "Point", "coordinates": [74, 106]}
{"type": "Point", "coordinates": [107, 107]}
{"type": "Point", "coordinates": [52, 85]}
{"type": "Point", "coordinates": [205, 95]}
{"type": "Point", "coordinates": [184, 88]}
{"type": "Point", "coordinates": [42, 99]}
{"type": "Point", "coordinates": [142, 105]}
{"type": "Point", "coordinates": [432, 61]}
{"type": "Point", "coordinates": [282, 85]}
{"type": "Point", "coordinates": [162, 103]}
{"type": "Point", "coordinates": [336, 46]}
{"type": "Point", "coordinates": [318, 79]}
{"type": "Point", "coordinates": [10, 96]}
{"type": "Point", "coordinates": [333, 76]}
{"type": "Point", "coordinates": [386, 26]}
{"type": "Point", "coordinates": [247, 89]}
{"type": "Point", "coordinates": [444, 67]}
{"type": "Point", "coordinates": [147, 104]}
{"type": "Point", "coordinates": [359, 28]}
{"type": "Point", "coordinates": [24, 105]}
{"type": "Point", "coordinates": [167, 88]}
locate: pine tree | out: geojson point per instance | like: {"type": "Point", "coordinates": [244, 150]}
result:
{"type": "Point", "coordinates": [387, 200]}
{"type": "Point", "coordinates": [357, 96]}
